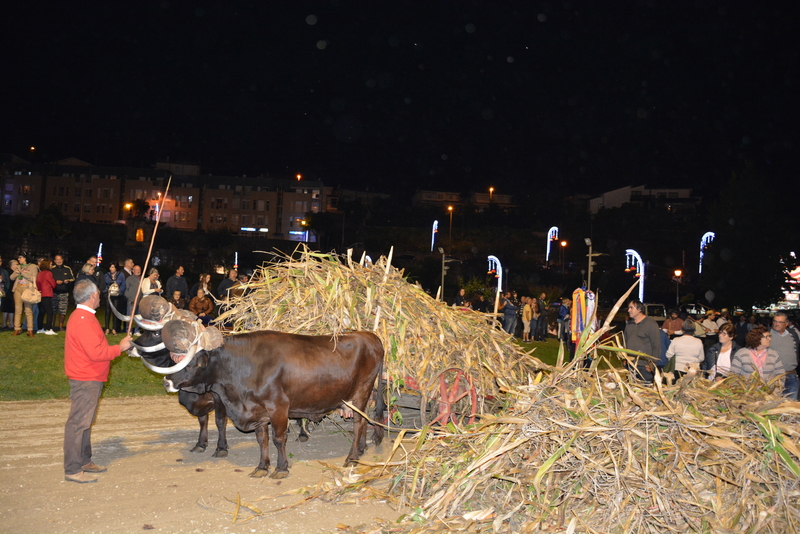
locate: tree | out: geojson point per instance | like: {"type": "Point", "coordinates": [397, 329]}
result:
{"type": "Point", "coordinates": [140, 208]}
{"type": "Point", "coordinates": [747, 263]}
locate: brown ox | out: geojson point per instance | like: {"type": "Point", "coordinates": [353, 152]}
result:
{"type": "Point", "coordinates": [269, 377]}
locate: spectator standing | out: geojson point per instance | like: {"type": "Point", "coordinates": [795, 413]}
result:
{"type": "Point", "coordinates": [87, 360]}
{"type": "Point", "coordinates": [509, 313]}
{"type": "Point", "coordinates": [131, 289]}
{"type": "Point", "coordinates": [686, 349]}
{"type": "Point", "coordinates": [710, 328]}
{"type": "Point", "coordinates": [642, 334]}
{"type": "Point", "coordinates": [152, 285]}
{"type": "Point", "coordinates": [64, 278]}
{"type": "Point", "coordinates": [527, 315]}
{"type": "Point", "coordinates": [6, 297]}
{"type": "Point", "coordinates": [225, 285]}
{"type": "Point", "coordinates": [542, 317]}
{"type": "Point", "coordinates": [742, 328]}
{"type": "Point", "coordinates": [674, 325]}
{"type": "Point", "coordinates": [177, 282]}
{"type": "Point", "coordinates": [786, 343]}
{"type": "Point", "coordinates": [8, 304]}
{"type": "Point", "coordinates": [97, 274]}
{"type": "Point", "coordinates": [719, 356]}
{"type": "Point", "coordinates": [757, 356]}
{"type": "Point", "coordinates": [45, 283]}
{"type": "Point", "coordinates": [87, 273]}
{"type": "Point", "coordinates": [479, 303]}
{"type": "Point", "coordinates": [204, 283]}
{"type": "Point", "coordinates": [536, 313]}
{"type": "Point", "coordinates": [115, 286]}
{"type": "Point", "coordinates": [127, 268]}
{"type": "Point", "coordinates": [24, 276]}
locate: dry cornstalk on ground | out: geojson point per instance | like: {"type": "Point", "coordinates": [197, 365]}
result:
{"type": "Point", "coordinates": [319, 294]}
{"type": "Point", "coordinates": [585, 451]}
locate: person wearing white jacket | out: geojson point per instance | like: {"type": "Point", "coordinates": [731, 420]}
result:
{"type": "Point", "coordinates": [686, 349]}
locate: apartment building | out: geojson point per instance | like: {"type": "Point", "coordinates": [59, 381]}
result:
{"type": "Point", "coordinates": [263, 206]}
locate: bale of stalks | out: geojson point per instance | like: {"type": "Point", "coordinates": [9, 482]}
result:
{"type": "Point", "coordinates": [321, 294]}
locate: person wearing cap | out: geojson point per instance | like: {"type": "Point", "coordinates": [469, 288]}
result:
{"type": "Point", "coordinates": [711, 330]}
{"type": "Point", "coordinates": [724, 318]}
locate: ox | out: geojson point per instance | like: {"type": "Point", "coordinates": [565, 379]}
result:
{"type": "Point", "coordinates": [150, 347]}
{"type": "Point", "coordinates": [268, 377]}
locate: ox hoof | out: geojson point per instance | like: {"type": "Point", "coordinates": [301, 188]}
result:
{"type": "Point", "coordinates": [279, 474]}
{"type": "Point", "coordinates": [303, 439]}
{"type": "Point", "coordinates": [197, 448]}
{"type": "Point", "coordinates": [259, 473]}
{"type": "Point", "coordinates": [220, 454]}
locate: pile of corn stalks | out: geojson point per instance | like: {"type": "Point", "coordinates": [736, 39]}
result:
{"type": "Point", "coordinates": [319, 294]}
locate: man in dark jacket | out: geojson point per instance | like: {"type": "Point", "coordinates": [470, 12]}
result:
{"type": "Point", "coordinates": [64, 278]}
{"type": "Point", "coordinates": [642, 334]}
{"type": "Point", "coordinates": [177, 282]}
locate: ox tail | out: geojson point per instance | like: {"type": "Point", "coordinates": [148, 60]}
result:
{"type": "Point", "coordinates": [380, 406]}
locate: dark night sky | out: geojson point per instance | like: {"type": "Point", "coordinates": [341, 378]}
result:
{"type": "Point", "coordinates": [578, 96]}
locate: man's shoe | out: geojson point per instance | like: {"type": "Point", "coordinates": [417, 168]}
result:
{"type": "Point", "coordinates": [92, 467]}
{"type": "Point", "coordinates": [31, 334]}
{"type": "Point", "coordinates": [40, 331]}
{"type": "Point", "coordinates": [80, 478]}
{"type": "Point", "coordinates": [50, 333]}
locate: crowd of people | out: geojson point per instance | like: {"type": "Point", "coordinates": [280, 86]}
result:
{"type": "Point", "coordinates": [717, 345]}
{"type": "Point", "coordinates": [35, 296]}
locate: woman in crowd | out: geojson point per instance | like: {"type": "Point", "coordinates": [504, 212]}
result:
{"type": "Point", "coordinates": [202, 283]}
{"type": "Point", "coordinates": [45, 283]}
{"type": "Point", "coordinates": [536, 314]}
{"type": "Point", "coordinates": [686, 349]}
{"type": "Point", "coordinates": [202, 306]}
{"type": "Point", "coordinates": [151, 285]}
{"type": "Point", "coordinates": [757, 356]}
{"type": "Point", "coordinates": [719, 356]}
{"type": "Point", "coordinates": [24, 276]}
{"type": "Point", "coordinates": [87, 273]}
{"type": "Point", "coordinates": [115, 290]}
{"type": "Point", "coordinates": [177, 300]}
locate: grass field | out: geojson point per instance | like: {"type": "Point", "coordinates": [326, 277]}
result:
{"type": "Point", "coordinates": [33, 369]}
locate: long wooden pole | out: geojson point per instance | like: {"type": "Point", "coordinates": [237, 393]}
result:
{"type": "Point", "coordinates": [149, 252]}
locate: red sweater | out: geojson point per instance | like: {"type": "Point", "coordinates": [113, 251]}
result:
{"type": "Point", "coordinates": [45, 283]}
{"type": "Point", "coordinates": [87, 354]}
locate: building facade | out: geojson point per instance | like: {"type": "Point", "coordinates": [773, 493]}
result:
{"type": "Point", "coordinates": [262, 206]}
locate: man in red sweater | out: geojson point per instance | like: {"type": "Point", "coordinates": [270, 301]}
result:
{"type": "Point", "coordinates": [87, 360]}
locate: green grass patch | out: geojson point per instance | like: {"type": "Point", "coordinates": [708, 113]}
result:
{"type": "Point", "coordinates": [546, 351]}
{"type": "Point", "coordinates": [33, 369]}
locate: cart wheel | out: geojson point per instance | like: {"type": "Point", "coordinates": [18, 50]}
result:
{"type": "Point", "coordinates": [457, 400]}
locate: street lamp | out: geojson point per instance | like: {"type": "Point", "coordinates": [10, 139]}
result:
{"type": "Point", "coordinates": [450, 244]}
{"type": "Point", "coordinates": [634, 262]}
{"type": "Point", "coordinates": [677, 279]}
{"type": "Point", "coordinates": [563, 267]}
{"type": "Point", "coordinates": [588, 241]}
{"type": "Point", "coordinates": [491, 190]}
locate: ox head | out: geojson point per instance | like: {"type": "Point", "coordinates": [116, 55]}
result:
{"type": "Point", "coordinates": [188, 344]}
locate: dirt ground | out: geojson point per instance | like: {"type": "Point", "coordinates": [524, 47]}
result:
{"type": "Point", "coordinates": [153, 482]}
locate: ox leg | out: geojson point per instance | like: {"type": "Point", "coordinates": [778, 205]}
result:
{"type": "Point", "coordinates": [280, 424]}
{"type": "Point", "coordinates": [359, 434]}
{"type": "Point", "coordinates": [263, 444]}
{"type": "Point", "coordinates": [202, 440]}
{"type": "Point", "coordinates": [222, 433]}
{"type": "Point", "coordinates": [302, 425]}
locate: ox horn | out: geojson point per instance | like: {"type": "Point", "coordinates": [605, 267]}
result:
{"type": "Point", "coordinates": [154, 348]}
{"type": "Point", "coordinates": [147, 325]}
{"type": "Point", "coordinates": [175, 368]}
{"type": "Point", "coordinates": [113, 308]}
